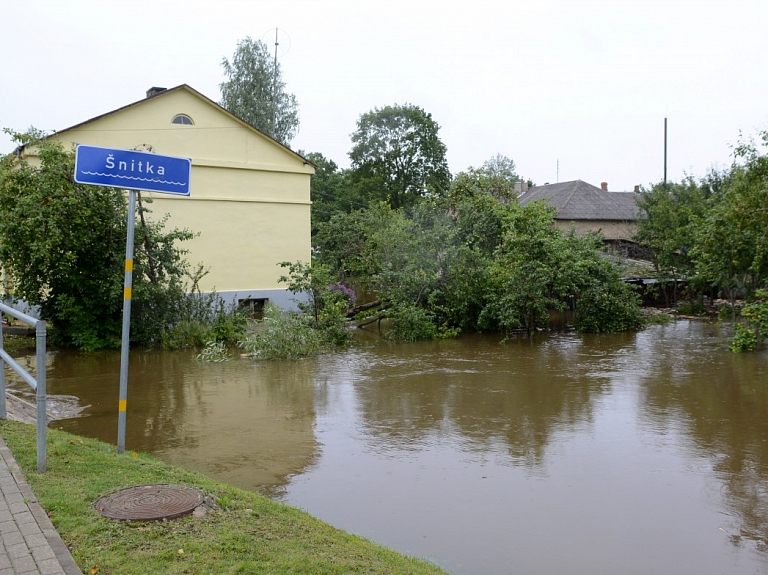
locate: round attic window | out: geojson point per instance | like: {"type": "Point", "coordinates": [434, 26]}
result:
{"type": "Point", "coordinates": [182, 119]}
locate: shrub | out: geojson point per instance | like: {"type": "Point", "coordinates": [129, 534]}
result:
{"type": "Point", "coordinates": [411, 323]}
{"type": "Point", "coordinates": [328, 301]}
{"type": "Point", "coordinates": [200, 318]}
{"type": "Point", "coordinates": [748, 337]}
{"type": "Point", "coordinates": [215, 352]}
{"type": "Point", "coordinates": [283, 335]}
{"type": "Point", "coordinates": [744, 339]}
{"type": "Point", "coordinates": [609, 308]}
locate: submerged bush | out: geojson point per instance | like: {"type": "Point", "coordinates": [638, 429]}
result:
{"type": "Point", "coordinates": [201, 318]}
{"type": "Point", "coordinates": [609, 308]}
{"type": "Point", "coordinates": [327, 303]}
{"type": "Point", "coordinates": [744, 339]}
{"type": "Point", "coordinates": [214, 352]}
{"type": "Point", "coordinates": [411, 323]}
{"type": "Point", "coordinates": [283, 334]}
{"type": "Point", "coordinates": [748, 337]}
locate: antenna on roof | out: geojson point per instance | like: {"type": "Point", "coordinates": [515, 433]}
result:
{"type": "Point", "coordinates": [274, 87]}
{"type": "Point", "coordinates": [274, 75]}
{"type": "Point", "coordinates": [558, 171]}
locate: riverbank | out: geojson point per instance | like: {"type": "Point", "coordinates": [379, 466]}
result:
{"type": "Point", "coordinates": [243, 532]}
{"type": "Point", "coordinates": [17, 409]}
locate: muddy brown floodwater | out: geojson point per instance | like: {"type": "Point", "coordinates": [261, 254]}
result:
{"type": "Point", "coordinates": [632, 453]}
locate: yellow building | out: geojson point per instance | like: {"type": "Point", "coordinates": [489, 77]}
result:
{"type": "Point", "coordinates": [249, 198]}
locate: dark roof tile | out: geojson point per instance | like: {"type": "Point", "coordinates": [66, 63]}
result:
{"type": "Point", "coordinates": [578, 200]}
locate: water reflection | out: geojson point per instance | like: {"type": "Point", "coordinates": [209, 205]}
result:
{"type": "Point", "coordinates": [480, 394]}
{"type": "Point", "coordinates": [720, 401]}
{"type": "Point", "coordinates": [631, 453]}
{"type": "Point", "coordinates": [244, 423]}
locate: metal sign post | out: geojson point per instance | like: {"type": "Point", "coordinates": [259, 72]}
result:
{"type": "Point", "coordinates": [125, 346]}
{"type": "Point", "coordinates": [133, 171]}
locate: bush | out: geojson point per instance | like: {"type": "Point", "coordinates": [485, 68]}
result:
{"type": "Point", "coordinates": [609, 308]}
{"type": "Point", "coordinates": [657, 319]}
{"type": "Point", "coordinates": [214, 352]}
{"type": "Point", "coordinates": [328, 303]}
{"type": "Point", "coordinates": [411, 323]}
{"type": "Point", "coordinates": [743, 339]}
{"type": "Point", "coordinates": [748, 337]}
{"type": "Point", "coordinates": [283, 335]}
{"type": "Point", "coordinates": [201, 318]}
{"type": "Point", "coordinates": [691, 307]}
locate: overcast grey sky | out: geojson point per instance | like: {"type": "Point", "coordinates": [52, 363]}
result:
{"type": "Point", "coordinates": [583, 83]}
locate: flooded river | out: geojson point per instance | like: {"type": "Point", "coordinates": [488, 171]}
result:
{"type": "Point", "coordinates": [633, 453]}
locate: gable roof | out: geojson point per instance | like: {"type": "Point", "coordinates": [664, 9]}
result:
{"type": "Point", "coordinates": [578, 200]}
{"type": "Point", "coordinates": [154, 93]}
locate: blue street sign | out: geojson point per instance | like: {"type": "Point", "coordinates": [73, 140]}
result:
{"type": "Point", "coordinates": [132, 170]}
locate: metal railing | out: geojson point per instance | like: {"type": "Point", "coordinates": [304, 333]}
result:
{"type": "Point", "coordinates": [38, 384]}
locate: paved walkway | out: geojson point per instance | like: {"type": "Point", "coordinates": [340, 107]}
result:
{"type": "Point", "coordinates": [30, 544]}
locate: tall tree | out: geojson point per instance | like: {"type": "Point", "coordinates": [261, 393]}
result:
{"type": "Point", "coordinates": [398, 156]}
{"type": "Point", "coordinates": [731, 247]}
{"type": "Point", "coordinates": [329, 189]}
{"type": "Point", "coordinates": [502, 167]}
{"type": "Point", "coordinates": [669, 228]}
{"type": "Point", "coordinates": [255, 92]}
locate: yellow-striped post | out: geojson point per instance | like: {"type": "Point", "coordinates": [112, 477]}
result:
{"type": "Point", "coordinates": [125, 347]}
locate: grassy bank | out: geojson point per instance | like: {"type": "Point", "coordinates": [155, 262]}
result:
{"type": "Point", "coordinates": [245, 533]}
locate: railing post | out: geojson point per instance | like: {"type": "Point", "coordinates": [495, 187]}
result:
{"type": "Point", "coordinates": [3, 413]}
{"type": "Point", "coordinates": [38, 383]}
{"type": "Point", "coordinates": [40, 396]}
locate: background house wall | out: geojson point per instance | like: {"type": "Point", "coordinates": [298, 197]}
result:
{"type": "Point", "coordinates": [249, 200]}
{"type": "Point", "coordinates": [611, 230]}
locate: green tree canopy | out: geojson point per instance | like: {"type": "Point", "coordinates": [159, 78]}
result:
{"type": "Point", "coordinates": [255, 92]}
{"type": "Point", "coordinates": [475, 264]}
{"type": "Point", "coordinates": [63, 246]}
{"type": "Point", "coordinates": [731, 248]}
{"type": "Point", "coordinates": [330, 190]}
{"type": "Point", "coordinates": [501, 167]}
{"type": "Point", "coordinates": [672, 213]}
{"type": "Point", "coordinates": [713, 231]}
{"type": "Point", "coordinates": [397, 156]}
{"type": "Point", "coordinates": [538, 268]}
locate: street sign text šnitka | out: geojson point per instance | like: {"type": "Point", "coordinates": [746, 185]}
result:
{"type": "Point", "coordinates": [132, 170]}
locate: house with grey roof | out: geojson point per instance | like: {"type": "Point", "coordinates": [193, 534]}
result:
{"type": "Point", "coordinates": [587, 208]}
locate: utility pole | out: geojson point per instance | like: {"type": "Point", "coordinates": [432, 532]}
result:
{"type": "Point", "coordinates": [665, 150]}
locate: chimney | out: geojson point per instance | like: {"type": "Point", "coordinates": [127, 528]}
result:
{"type": "Point", "coordinates": [604, 186]}
{"type": "Point", "coordinates": [637, 189]}
{"type": "Point", "coordinates": [521, 188]}
{"type": "Point", "coordinates": [154, 91]}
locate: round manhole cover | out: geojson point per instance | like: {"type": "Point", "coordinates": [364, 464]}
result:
{"type": "Point", "coordinates": [149, 502]}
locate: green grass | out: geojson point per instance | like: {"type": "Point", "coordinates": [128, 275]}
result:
{"type": "Point", "coordinates": [246, 533]}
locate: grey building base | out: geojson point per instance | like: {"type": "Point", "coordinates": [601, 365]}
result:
{"type": "Point", "coordinates": [280, 297]}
